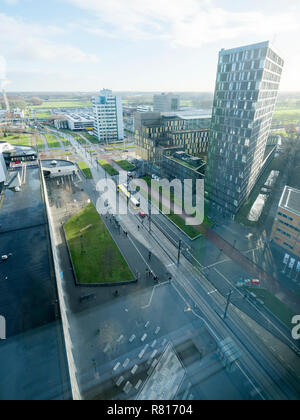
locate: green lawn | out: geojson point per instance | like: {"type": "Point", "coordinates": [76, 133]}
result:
{"type": "Point", "coordinates": [78, 138]}
{"type": "Point", "coordinates": [39, 143]}
{"type": "Point", "coordinates": [125, 165]}
{"type": "Point", "coordinates": [91, 138]}
{"type": "Point", "coordinates": [107, 167]}
{"type": "Point", "coordinates": [85, 169]}
{"type": "Point", "coordinates": [52, 141]}
{"type": "Point", "coordinates": [65, 142]}
{"type": "Point", "coordinates": [96, 257]}
{"type": "Point", "coordinates": [18, 139]}
{"type": "Point", "coordinates": [274, 305]}
{"type": "Point", "coordinates": [189, 230]}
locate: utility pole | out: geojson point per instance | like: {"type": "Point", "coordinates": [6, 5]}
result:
{"type": "Point", "coordinates": [228, 303]}
{"type": "Point", "coordinates": [179, 251]}
{"type": "Point", "coordinates": [150, 216]}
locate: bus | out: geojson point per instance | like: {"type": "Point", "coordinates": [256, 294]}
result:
{"type": "Point", "coordinates": [135, 204]}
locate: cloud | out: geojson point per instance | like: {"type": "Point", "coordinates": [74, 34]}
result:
{"type": "Point", "coordinates": [32, 42]}
{"type": "Point", "coordinates": [190, 23]}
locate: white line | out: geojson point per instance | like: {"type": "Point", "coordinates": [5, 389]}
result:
{"type": "Point", "coordinates": [251, 382]}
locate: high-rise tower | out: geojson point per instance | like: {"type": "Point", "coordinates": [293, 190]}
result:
{"type": "Point", "coordinates": [108, 117]}
{"type": "Point", "coordinates": [247, 86]}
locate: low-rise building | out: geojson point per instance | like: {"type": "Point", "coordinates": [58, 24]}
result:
{"type": "Point", "coordinates": [75, 122]}
{"type": "Point", "coordinates": [286, 229]}
{"type": "Point", "coordinates": [188, 131]}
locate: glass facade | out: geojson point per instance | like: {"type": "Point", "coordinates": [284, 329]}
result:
{"type": "Point", "coordinates": [247, 85]}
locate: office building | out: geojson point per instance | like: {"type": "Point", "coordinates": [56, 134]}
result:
{"type": "Point", "coordinates": [108, 117]}
{"type": "Point", "coordinates": [186, 131]}
{"type": "Point", "coordinates": [166, 102]}
{"type": "Point", "coordinates": [286, 229]}
{"type": "Point", "coordinates": [247, 86]}
{"type": "Point", "coordinates": [75, 122]}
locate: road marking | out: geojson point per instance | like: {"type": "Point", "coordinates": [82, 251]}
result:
{"type": "Point", "coordinates": [157, 330]}
{"type": "Point", "coordinates": [126, 363]}
{"type": "Point", "coordinates": [134, 370]}
{"type": "Point", "coordinates": [117, 366]}
{"type": "Point", "coordinates": [212, 292]}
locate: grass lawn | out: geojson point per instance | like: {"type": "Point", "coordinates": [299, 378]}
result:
{"type": "Point", "coordinates": [96, 257]}
{"type": "Point", "coordinates": [18, 139]}
{"type": "Point", "coordinates": [78, 138]}
{"type": "Point", "coordinates": [65, 142]}
{"type": "Point", "coordinates": [52, 141]}
{"type": "Point", "coordinates": [189, 230]}
{"type": "Point", "coordinates": [124, 164]}
{"type": "Point", "coordinates": [91, 138]}
{"type": "Point", "coordinates": [274, 305]}
{"type": "Point", "coordinates": [85, 169]}
{"type": "Point", "coordinates": [107, 167]}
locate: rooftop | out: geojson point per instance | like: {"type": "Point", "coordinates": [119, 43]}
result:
{"type": "Point", "coordinates": [193, 114]}
{"type": "Point", "coordinates": [290, 200]}
{"type": "Point", "coordinates": [32, 357]}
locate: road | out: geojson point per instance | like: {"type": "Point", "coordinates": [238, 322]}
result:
{"type": "Point", "coordinates": [270, 379]}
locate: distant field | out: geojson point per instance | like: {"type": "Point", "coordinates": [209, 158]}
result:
{"type": "Point", "coordinates": [85, 169]}
{"type": "Point", "coordinates": [96, 257]}
{"type": "Point", "coordinates": [63, 104]}
{"type": "Point", "coordinates": [287, 115]}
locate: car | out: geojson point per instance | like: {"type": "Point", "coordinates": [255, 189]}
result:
{"type": "Point", "coordinates": [142, 215]}
{"type": "Point", "coordinates": [248, 282]}
{"type": "Point", "coordinates": [255, 282]}
{"type": "Point", "coordinates": [240, 283]}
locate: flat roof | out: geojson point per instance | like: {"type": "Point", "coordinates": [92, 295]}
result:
{"type": "Point", "coordinates": [245, 47]}
{"type": "Point", "coordinates": [290, 200]}
{"type": "Point", "coordinates": [33, 356]}
{"type": "Point", "coordinates": [189, 115]}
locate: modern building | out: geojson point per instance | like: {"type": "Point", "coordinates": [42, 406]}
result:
{"type": "Point", "coordinates": [180, 165]}
{"type": "Point", "coordinates": [286, 228]}
{"type": "Point", "coordinates": [12, 157]}
{"type": "Point", "coordinates": [166, 102]}
{"type": "Point", "coordinates": [246, 91]}
{"type": "Point", "coordinates": [155, 132]}
{"type": "Point", "coordinates": [75, 122]}
{"type": "Point", "coordinates": [108, 117]}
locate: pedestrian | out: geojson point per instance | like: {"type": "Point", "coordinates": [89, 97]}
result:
{"type": "Point", "coordinates": [150, 255]}
{"type": "Point", "coordinates": [138, 227]}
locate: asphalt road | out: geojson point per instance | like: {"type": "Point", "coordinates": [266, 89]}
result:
{"type": "Point", "coordinates": [269, 378]}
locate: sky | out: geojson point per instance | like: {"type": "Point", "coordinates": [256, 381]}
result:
{"type": "Point", "coordinates": [137, 45]}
